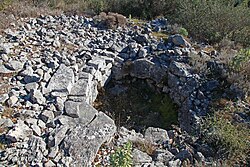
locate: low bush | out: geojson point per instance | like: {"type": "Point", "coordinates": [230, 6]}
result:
{"type": "Point", "coordinates": [212, 20]}
{"type": "Point", "coordinates": [122, 157]}
{"type": "Point", "coordinates": [239, 74]}
{"type": "Point", "coordinates": [229, 138]}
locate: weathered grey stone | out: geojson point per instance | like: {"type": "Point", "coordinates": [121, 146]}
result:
{"type": "Point", "coordinates": [80, 110]}
{"type": "Point", "coordinates": [40, 72]}
{"type": "Point", "coordinates": [59, 135]}
{"type": "Point", "coordinates": [140, 157]}
{"type": "Point", "coordinates": [156, 135]}
{"type": "Point", "coordinates": [179, 69]}
{"type": "Point", "coordinates": [185, 154]}
{"type": "Point", "coordinates": [62, 81]}
{"type": "Point", "coordinates": [6, 123]}
{"type": "Point", "coordinates": [46, 76]}
{"type": "Point", "coordinates": [56, 43]}
{"type": "Point", "coordinates": [46, 116]}
{"type": "Point", "coordinates": [19, 132]}
{"type": "Point", "coordinates": [66, 161]}
{"type": "Point", "coordinates": [81, 88]}
{"type": "Point", "coordinates": [66, 120]}
{"type": "Point", "coordinates": [178, 40]}
{"type": "Point", "coordinates": [53, 152]}
{"type": "Point", "coordinates": [41, 124]}
{"type": "Point", "coordinates": [97, 63]}
{"type": "Point", "coordinates": [37, 97]}
{"type": "Point", "coordinates": [60, 105]}
{"type": "Point", "coordinates": [36, 129]}
{"type": "Point", "coordinates": [84, 89]}
{"type": "Point", "coordinates": [12, 100]}
{"type": "Point", "coordinates": [163, 156]}
{"type": "Point", "coordinates": [4, 70]}
{"type": "Point", "coordinates": [72, 108]}
{"type": "Point", "coordinates": [142, 53]}
{"type": "Point", "coordinates": [27, 72]}
{"type": "Point", "coordinates": [15, 65]}
{"type": "Point", "coordinates": [84, 141]}
{"type": "Point", "coordinates": [37, 147]}
{"type": "Point", "coordinates": [3, 98]}
{"type": "Point", "coordinates": [31, 121]}
{"type": "Point", "coordinates": [32, 85]}
{"type": "Point", "coordinates": [4, 57]}
{"type": "Point", "coordinates": [174, 163]}
{"type": "Point", "coordinates": [49, 164]}
{"type": "Point", "coordinates": [145, 69]}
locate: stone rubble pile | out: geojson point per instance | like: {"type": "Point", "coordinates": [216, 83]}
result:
{"type": "Point", "coordinates": [57, 64]}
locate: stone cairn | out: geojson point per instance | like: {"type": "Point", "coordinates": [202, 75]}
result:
{"type": "Point", "coordinates": [56, 64]}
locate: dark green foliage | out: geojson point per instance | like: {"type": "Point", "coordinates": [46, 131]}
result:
{"type": "Point", "coordinates": [241, 59]}
{"type": "Point", "coordinates": [229, 138]}
{"type": "Point", "coordinates": [213, 20]}
{"type": "Point", "coordinates": [239, 74]}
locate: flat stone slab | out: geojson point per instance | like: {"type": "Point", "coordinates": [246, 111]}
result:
{"type": "Point", "coordinates": [84, 89]}
{"type": "Point", "coordinates": [81, 110]}
{"type": "Point", "coordinates": [179, 69]}
{"type": "Point", "coordinates": [84, 141]}
{"type": "Point", "coordinates": [156, 135]}
{"type": "Point", "coordinates": [144, 68]}
{"type": "Point", "coordinates": [62, 81]}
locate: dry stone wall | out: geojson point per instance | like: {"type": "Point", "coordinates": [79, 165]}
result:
{"type": "Point", "coordinates": [58, 62]}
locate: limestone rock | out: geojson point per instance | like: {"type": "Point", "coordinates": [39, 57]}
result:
{"type": "Point", "coordinates": [46, 116]}
{"type": "Point", "coordinates": [80, 110]}
{"type": "Point", "coordinates": [163, 156]}
{"type": "Point", "coordinates": [156, 135]}
{"type": "Point", "coordinates": [62, 81]}
{"type": "Point", "coordinates": [12, 100]}
{"type": "Point", "coordinates": [178, 40]}
{"type": "Point", "coordinates": [15, 65]}
{"type": "Point", "coordinates": [179, 69]}
{"type": "Point", "coordinates": [6, 123]}
{"type": "Point", "coordinates": [140, 157]}
{"type": "Point", "coordinates": [37, 97]}
{"type": "Point", "coordinates": [143, 68]}
{"type": "Point", "coordinates": [19, 132]}
{"type": "Point", "coordinates": [83, 142]}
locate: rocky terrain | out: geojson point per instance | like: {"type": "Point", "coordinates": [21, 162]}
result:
{"type": "Point", "coordinates": [51, 70]}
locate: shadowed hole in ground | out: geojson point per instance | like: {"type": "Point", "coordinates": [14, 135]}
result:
{"type": "Point", "coordinates": [136, 104]}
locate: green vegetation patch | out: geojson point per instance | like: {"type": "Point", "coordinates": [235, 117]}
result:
{"type": "Point", "coordinates": [138, 106]}
{"type": "Point", "coordinates": [122, 157]}
{"type": "Point", "coordinates": [230, 139]}
{"type": "Point", "coordinates": [4, 4]}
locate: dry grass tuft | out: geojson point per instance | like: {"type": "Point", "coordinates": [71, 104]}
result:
{"type": "Point", "coordinates": [160, 35]}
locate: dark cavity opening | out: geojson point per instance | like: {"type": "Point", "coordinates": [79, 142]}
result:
{"type": "Point", "coordinates": [136, 104]}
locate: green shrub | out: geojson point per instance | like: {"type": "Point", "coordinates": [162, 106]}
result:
{"type": "Point", "coordinates": [239, 74]}
{"type": "Point", "coordinates": [122, 157]}
{"type": "Point", "coordinates": [241, 60]}
{"type": "Point", "coordinates": [213, 20]}
{"type": "Point", "coordinates": [231, 140]}
{"type": "Point", "coordinates": [146, 9]}
{"type": "Point", "coordinates": [183, 32]}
